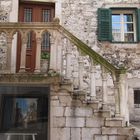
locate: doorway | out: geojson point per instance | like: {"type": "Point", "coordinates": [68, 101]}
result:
{"type": "Point", "coordinates": [33, 12]}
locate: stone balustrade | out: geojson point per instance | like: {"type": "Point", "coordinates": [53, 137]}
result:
{"type": "Point", "coordinates": [89, 72]}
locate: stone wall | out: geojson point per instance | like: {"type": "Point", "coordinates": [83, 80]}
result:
{"type": "Point", "coordinates": [5, 8]}
{"type": "Point", "coordinates": [72, 118]}
{"type": "Point", "coordinates": [80, 18]}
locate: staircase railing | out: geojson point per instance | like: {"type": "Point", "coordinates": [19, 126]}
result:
{"type": "Point", "coordinates": [107, 72]}
{"type": "Point", "coordinates": [89, 72]}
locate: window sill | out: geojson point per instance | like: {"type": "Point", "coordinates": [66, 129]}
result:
{"type": "Point", "coordinates": [124, 42]}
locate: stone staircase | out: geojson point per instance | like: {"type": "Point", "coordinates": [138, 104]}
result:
{"type": "Point", "coordinates": [89, 102]}
{"type": "Point", "coordinates": [76, 118]}
{"type": "Point", "coordinates": [136, 126]}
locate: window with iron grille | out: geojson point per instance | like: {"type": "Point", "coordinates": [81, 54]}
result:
{"type": "Point", "coordinates": [45, 15]}
{"type": "Point", "coordinates": [27, 15]}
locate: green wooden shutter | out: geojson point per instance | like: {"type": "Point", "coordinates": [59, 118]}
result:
{"type": "Point", "coordinates": [104, 24]}
{"type": "Point", "coordinates": [138, 24]}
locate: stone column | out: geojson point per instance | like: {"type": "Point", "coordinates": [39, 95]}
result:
{"type": "Point", "coordinates": [9, 53]}
{"type": "Point", "coordinates": [92, 81]}
{"type": "Point", "coordinates": [123, 92]}
{"type": "Point", "coordinates": [117, 96]}
{"type": "Point", "coordinates": [58, 9]}
{"type": "Point", "coordinates": [53, 52]}
{"type": "Point", "coordinates": [38, 54]}
{"type": "Point", "coordinates": [68, 62]}
{"type": "Point", "coordinates": [81, 70]}
{"type": "Point", "coordinates": [59, 57]}
{"type": "Point", "coordinates": [104, 85]}
{"type": "Point", "coordinates": [23, 55]}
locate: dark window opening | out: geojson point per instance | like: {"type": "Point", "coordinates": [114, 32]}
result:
{"type": "Point", "coordinates": [137, 98]}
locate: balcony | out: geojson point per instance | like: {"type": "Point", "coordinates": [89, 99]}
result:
{"type": "Point", "coordinates": [10, 39]}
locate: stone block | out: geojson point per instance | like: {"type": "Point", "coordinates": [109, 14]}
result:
{"type": "Point", "coordinates": [94, 122]}
{"type": "Point", "coordinates": [66, 87]}
{"type": "Point", "coordinates": [112, 137]}
{"type": "Point", "coordinates": [124, 131]}
{"type": "Point", "coordinates": [113, 123]}
{"type": "Point", "coordinates": [76, 103]}
{"type": "Point", "coordinates": [102, 113]}
{"type": "Point", "coordinates": [109, 131]}
{"type": "Point", "coordinates": [54, 97]}
{"type": "Point", "coordinates": [88, 133]}
{"type": "Point", "coordinates": [58, 111]}
{"type": "Point", "coordinates": [59, 122]}
{"type": "Point", "coordinates": [75, 133]}
{"type": "Point", "coordinates": [100, 137]}
{"type": "Point", "coordinates": [118, 138]}
{"type": "Point", "coordinates": [60, 134]}
{"type": "Point", "coordinates": [79, 111]}
{"type": "Point", "coordinates": [75, 122]}
{"type": "Point", "coordinates": [93, 104]}
{"type": "Point", "coordinates": [55, 103]}
{"type": "Point", "coordinates": [65, 100]}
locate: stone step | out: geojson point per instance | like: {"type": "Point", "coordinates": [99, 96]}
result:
{"type": "Point", "coordinates": [118, 131]}
{"type": "Point", "coordinates": [110, 137]}
{"type": "Point", "coordinates": [136, 126]}
{"type": "Point", "coordinates": [114, 122]}
{"type": "Point", "coordinates": [92, 103]}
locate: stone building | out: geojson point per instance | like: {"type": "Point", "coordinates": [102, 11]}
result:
{"type": "Point", "coordinates": [69, 69]}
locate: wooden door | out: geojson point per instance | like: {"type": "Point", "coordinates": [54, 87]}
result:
{"type": "Point", "coordinates": [32, 12]}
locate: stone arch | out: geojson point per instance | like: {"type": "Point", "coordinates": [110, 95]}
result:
{"type": "Point", "coordinates": [16, 31]}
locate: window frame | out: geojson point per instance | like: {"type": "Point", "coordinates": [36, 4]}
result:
{"type": "Point", "coordinates": [24, 91]}
{"type": "Point", "coordinates": [105, 24]}
{"type": "Point", "coordinates": [122, 12]}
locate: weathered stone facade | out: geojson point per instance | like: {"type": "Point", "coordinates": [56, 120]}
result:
{"type": "Point", "coordinates": [71, 117]}
{"type": "Point", "coordinates": [5, 8]}
{"type": "Point", "coordinates": [84, 14]}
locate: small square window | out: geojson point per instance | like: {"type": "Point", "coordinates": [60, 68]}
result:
{"type": "Point", "coordinates": [137, 98]}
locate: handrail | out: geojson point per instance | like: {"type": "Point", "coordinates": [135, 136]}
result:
{"type": "Point", "coordinates": [28, 25]}
{"type": "Point", "coordinates": [55, 25]}
{"type": "Point", "coordinates": [94, 55]}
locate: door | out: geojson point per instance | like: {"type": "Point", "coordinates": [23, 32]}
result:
{"type": "Point", "coordinates": [32, 12]}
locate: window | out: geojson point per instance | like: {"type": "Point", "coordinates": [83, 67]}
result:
{"type": "Point", "coordinates": [118, 25]}
{"type": "Point", "coordinates": [24, 112]}
{"type": "Point", "coordinates": [137, 98]}
{"type": "Point", "coordinates": [27, 15]}
{"type": "Point", "coordinates": [45, 44]}
{"type": "Point", "coordinates": [123, 26]}
{"type": "Point", "coordinates": [45, 41]}
{"type": "Point", "coordinates": [46, 15]}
